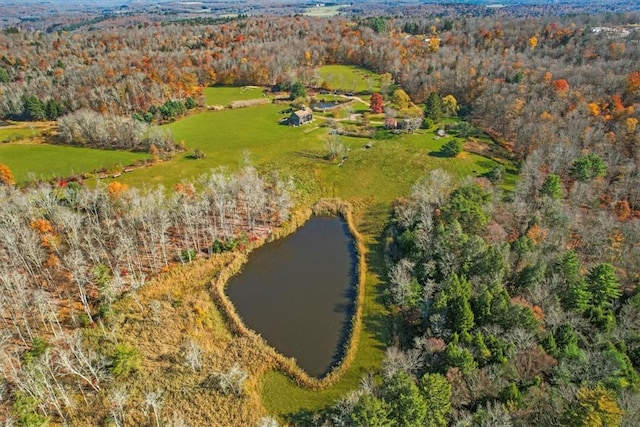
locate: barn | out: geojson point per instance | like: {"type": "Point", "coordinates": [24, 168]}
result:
{"type": "Point", "coordinates": [301, 117]}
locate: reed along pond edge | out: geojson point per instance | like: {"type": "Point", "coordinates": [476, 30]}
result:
{"type": "Point", "coordinates": [353, 327]}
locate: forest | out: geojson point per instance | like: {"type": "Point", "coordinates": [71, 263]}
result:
{"type": "Point", "coordinates": [509, 304]}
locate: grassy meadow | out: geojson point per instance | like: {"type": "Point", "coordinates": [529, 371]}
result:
{"type": "Point", "coordinates": [370, 179]}
{"type": "Point", "coordinates": [349, 78]}
{"type": "Point", "coordinates": [323, 11]}
{"type": "Point", "coordinates": [17, 133]}
{"type": "Point", "coordinates": [46, 161]}
{"type": "Point", "coordinates": [224, 95]}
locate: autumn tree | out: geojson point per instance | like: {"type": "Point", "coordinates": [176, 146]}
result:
{"type": "Point", "coordinates": [6, 176]}
{"type": "Point", "coordinates": [596, 407]}
{"type": "Point", "coordinates": [400, 99]}
{"type": "Point", "coordinates": [450, 106]}
{"type": "Point", "coordinates": [376, 104]}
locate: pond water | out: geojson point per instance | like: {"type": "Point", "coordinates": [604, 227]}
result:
{"type": "Point", "coordinates": [324, 105]}
{"type": "Point", "coordinates": [298, 292]}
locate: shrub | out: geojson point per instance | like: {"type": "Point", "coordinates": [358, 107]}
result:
{"type": "Point", "coordinates": [38, 348]}
{"type": "Point", "coordinates": [495, 174]}
{"type": "Point", "coordinates": [451, 148]}
{"type": "Point", "coordinates": [124, 360]}
{"type": "Point", "coordinates": [198, 154]}
{"type": "Point", "coordinates": [24, 410]}
{"type": "Point", "coordinates": [187, 255]}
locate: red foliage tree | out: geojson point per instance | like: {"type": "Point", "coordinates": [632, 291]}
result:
{"type": "Point", "coordinates": [376, 103]}
{"type": "Point", "coordinates": [561, 85]}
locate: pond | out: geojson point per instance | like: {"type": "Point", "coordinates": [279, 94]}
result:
{"type": "Point", "coordinates": [298, 293]}
{"type": "Point", "coordinates": [324, 106]}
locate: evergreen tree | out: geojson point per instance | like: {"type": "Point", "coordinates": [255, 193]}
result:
{"type": "Point", "coordinates": [459, 357]}
{"type": "Point", "coordinates": [603, 284]}
{"type": "Point", "coordinates": [579, 297]}
{"type": "Point", "coordinates": [437, 393]}
{"type": "Point", "coordinates": [298, 91]}
{"type": "Point", "coordinates": [433, 107]}
{"type": "Point", "coordinates": [552, 187]}
{"type": "Point", "coordinates": [34, 108]}
{"type": "Point", "coordinates": [370, 412]}
{"type": "Point", "coordinates": [407, 406]}
{"type": "Point", "coordinates": [588, 167]}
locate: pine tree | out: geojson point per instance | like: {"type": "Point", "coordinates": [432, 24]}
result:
{"type": "Point", "coordinates": [603, 284]}
{"type": "Point", "coordinates": [437, 393]}
{"type": "Point", "coordinates": [370, 411]}
{"type": "Point", "coordinates": [433, 107]}
{"type": "Point", "coordinates": [551, 187]}
{"type": "Point", "coordinates": [407, 406]}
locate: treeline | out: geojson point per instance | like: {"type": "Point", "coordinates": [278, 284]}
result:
{"type": "Point", "coordinates": [69, 252]}
{"type": "Point", "coordinates": [577, 74]}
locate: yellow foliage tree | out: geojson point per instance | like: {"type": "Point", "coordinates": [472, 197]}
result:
{"type": "Point", "coordinates": [632, 124]}
{"type": "Point", "coordinates": [597, 407]}
{"type": "Point", "coordinates": [400, 99]}
{"type": "Point", "coordinates": [594, 109]}
{"type": "Point", "coordinates": [116, 188]}
{"type": "Point", "coordinates": [434, 44]}
{"type": "Point", "coordinates": [450, 105]}
{"type": "Point", "coordinates": [6, 176]}
{"type": "Point", "coordinates": [533, 42]}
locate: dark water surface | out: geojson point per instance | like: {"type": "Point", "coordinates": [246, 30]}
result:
{"type": "Point", "coordinates": [297, 292]}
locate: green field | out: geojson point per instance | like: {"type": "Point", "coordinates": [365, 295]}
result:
{"type": "Point", "coordinates": [16, 134]}
{"type": "Point", "coordinates": [323, 10]}
{"type": "Point", "coordinates": [349, 78]}
{"type": "Point", "coordinates": [224, 95]}
{"type": "Point", "coordinates": [45, 161]}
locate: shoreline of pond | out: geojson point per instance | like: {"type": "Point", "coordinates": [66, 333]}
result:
{"type": "Point", "coordinates": [351, 331]}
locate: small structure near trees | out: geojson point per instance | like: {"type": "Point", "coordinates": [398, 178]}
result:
{"type": "Point", "coordinates": [390, 123]}
{"type": "Point", "coordinates": [301, 117]}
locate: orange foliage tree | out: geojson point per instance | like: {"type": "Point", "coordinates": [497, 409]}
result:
{"type": "Point", "coordinates": [116, 189]}
{"type": "Point", "coordinates": [633, 82]}
{"type": "Point", "coordinates": [6, 176]}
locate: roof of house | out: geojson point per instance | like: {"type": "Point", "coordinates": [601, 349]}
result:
{"type": "Point", "coordinates": [304, 112]}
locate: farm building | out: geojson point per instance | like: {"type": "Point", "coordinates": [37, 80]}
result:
{"type": "Point", "coordinates": [301, 117]}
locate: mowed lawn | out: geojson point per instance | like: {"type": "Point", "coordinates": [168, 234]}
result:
{"type": "Point", "coordinates": [349, 78]}
{"type": "Point", "coordinates": [224, 95]}
{"type": "Point", "coordinates": [385, 171]}
{"type": "Point", "coordinates": [45, 161]}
